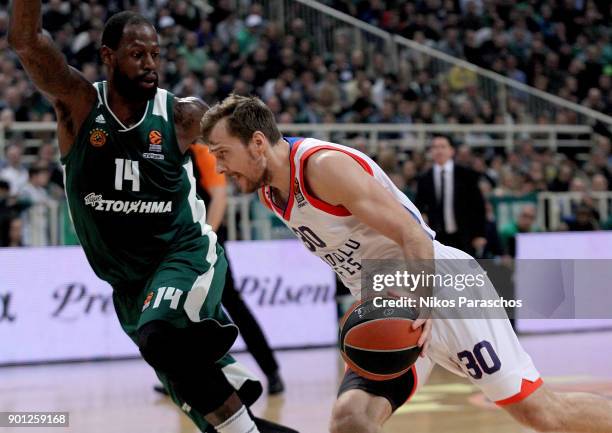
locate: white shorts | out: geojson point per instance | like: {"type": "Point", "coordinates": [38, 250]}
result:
{"type": "Point", "coordinates": [486, 351]}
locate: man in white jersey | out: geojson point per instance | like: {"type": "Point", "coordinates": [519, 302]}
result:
{"type": "Point", "coordinates": [340, 203]}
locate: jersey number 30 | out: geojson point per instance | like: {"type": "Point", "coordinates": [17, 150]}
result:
{"type": "Point", "coordinates": [127, 170]}
{"type": "Point", "coordinates": [476, 363]}
{"type": "Point", "coordinates": [309, 238]}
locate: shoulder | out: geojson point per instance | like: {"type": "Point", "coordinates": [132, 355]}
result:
{"type": "Point", "coordinates": [462, 169]}
{"type": "Point", "coordinates": [188, 113]}
{"type": "Point", "coordinates": [466, 173]}
{"type": "Point", "coordinates": [425, 176]}
{"type": "Point", "coordinates": [188, 109]}
{"type": "Point", "coordinates": [328, 164]}
{"type": "Point", "coordinates": [335, 177]}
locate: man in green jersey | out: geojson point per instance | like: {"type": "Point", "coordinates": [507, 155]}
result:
{"type": "Point", "coordinates": [132, 197]}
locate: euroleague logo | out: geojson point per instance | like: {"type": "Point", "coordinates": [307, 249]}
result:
{"type": "Point", "coordinates": [97, 137]}
{"type": "Point", "coordinates": [155, 137]}
{"type": "Point", "coordinates": [147, 301]}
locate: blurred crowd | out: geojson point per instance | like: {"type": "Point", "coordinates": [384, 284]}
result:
{"type": "Point", "coordinates": [515, 178]}
{"type": "Point", "coordinates": [563, 47]}
{"type": "Point", "coordinates": [517, 175]}
{"type": "Point", "coordinates": [210, 49]}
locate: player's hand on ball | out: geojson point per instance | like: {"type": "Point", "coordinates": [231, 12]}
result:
{"type": "Point", "coordinates": [425, 338]}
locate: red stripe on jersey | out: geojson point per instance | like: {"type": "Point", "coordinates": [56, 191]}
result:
{"type": "Point", "coordinates": [263, 193]}
{"type": "Point", "coordinates": [267, 193]}
{"type": "Point", "coordinates": [527, 388]}
{"type": "Point", "coordinates": [320, 204]}
{"type": "Point", "coordinates": [287, 213]}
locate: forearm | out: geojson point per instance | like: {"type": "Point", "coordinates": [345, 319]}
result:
{"type": "Point", "coordinates": [25, 23]}
{"type": "Point", "coordinates": [44, 62]}
{"type": "Point", "coordinates": [215, 217]}
{"type": "Point", "coordinates": [419, 258]}
{"type": "Point", "coordinates": [416, 245]}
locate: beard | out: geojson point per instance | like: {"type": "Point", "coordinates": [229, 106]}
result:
{"type": "Point", "coordinates": [249, 185]}
{"type": "Point", "coordinates": [131, 89]}
{"type": "Point", "coordinates": [246, 185]}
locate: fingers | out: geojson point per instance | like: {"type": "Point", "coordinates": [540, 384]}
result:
{"type": "Point", "coordinates": [418, 323]}
{"type": "Point", "coordinates": [425, 337]}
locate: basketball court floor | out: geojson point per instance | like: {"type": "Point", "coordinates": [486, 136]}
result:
{"type": "Point", "coordinates": [117, 397]}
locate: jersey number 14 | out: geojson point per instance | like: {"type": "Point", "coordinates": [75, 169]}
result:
{"type": "Point", "coordinates": [127, 170]}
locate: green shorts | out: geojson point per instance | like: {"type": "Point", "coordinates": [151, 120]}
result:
{"type": "Point", "coordinates": [184, 290]}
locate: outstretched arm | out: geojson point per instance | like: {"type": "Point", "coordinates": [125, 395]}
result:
{"type": "Point", "coordinates": [188, 113]}
{"type": "Point", "coordinates": [71, 94]}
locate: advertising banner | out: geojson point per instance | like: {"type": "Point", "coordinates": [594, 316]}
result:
{"type": "Point", "coordinates": [568, 276]}
{"type": "Point", "coordinates": [53, 307]}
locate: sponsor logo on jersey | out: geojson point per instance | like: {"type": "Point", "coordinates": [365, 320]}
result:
{"type": "Point", "coordinates": [97, 137]}
{"type": "Point", "coordinates": [147, 301]}
{"type": "Point", "coordinates": [100, 119]}
{"type": "Point", "coordinates": [148, 155]}
{"type": "Point", "coordinates": [127, 206]}
{"type": "Point", "coordinates": [155, 140]}
{"type": "Point", "coordinates": [301, 201]}
{"type": "Point", "coordinates": [155, 137]}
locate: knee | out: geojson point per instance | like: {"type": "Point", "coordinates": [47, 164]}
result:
{"type": "Point", "coordinates": [154, 341]}
{"type": "Point", "coordinates": [347, 419]}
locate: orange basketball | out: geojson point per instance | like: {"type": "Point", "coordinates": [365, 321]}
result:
{"type": "Point", "coordinates": [379, 343]}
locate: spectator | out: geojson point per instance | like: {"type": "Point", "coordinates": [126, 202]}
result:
{"type": "Point", "coordinates": [248, 36]}
{"type": "Point", "coordinates": [36, 227]}
{"type": "Point", "coordinates": [229, 28]}
{"type": "Point", "coordinates": [48, 158]}
{"type": "Point", "coordinates": [14, 172]}
{"type": "Point", "coordinates": [409, 174]}
{"type": "Point", "coordinates": [450, 44]}
{"type": "Point", "coordinates": [525, 223]}
{"type": "Point", "coordinates": [14, 233]}
{"type": "Point", "coordinates": [584, 219]}
{"type": "Point", "coordinates": [562, 179]}
{"type": "Point", "coordinates": [599, 183]}
{"type": "Point", "coordinates": [194, 55]}
{"type": "Point", "coordinates": [186, 14]}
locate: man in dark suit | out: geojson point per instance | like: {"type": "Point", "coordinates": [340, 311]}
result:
{"type": "Point", "coordinates": [448, 194]}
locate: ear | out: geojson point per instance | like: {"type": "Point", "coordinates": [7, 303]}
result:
{"type": "Point", "coordinates": [106, 54]}
{"type": "Point", "coordinates": [259, 142]}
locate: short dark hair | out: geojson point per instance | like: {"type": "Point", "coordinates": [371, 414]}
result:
{"type": "Point", "coordinates": [245, 115]}
{"type": "Point", "coordinates": [113, 29]}
{"type": "Point", "coordinates": [35, 169]}
{"type": "Point", "coordinates": [446, 137]}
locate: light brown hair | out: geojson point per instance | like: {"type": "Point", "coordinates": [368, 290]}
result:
{"type": "Point", "coordinates": [245, 115]}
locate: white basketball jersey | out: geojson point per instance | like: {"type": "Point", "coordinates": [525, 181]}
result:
{"type": "Point", "coordinates": [331, 232]}
{"type": "Point", "coordinates": [337, 237]}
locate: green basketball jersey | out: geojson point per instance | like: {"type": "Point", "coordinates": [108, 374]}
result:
{"type": "Point", "coordinates": [131, 192]}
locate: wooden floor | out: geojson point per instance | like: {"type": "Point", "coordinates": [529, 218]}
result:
{"type": "Point", "coordinates": [116, 397]}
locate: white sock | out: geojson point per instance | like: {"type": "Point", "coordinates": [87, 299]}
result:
{"type": "Point", "coordinates": [240, 422]}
